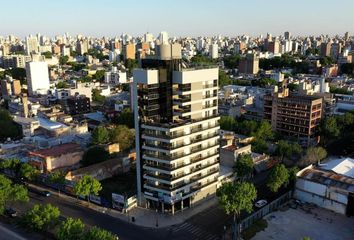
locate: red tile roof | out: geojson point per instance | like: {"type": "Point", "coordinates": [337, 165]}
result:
{"type": "Point", "coordinates": [57, 150]}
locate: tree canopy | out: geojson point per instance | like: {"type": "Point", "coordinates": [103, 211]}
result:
{"type": "Point", "coordinates": [87, 185]}
{"type": "Point", "coordinates": [96, 233]}
{"type": "Point", "coordinates": [244, 165]}
{"type": "Point", "coordinates": [11, 193]}
{"type": "Point", "coordinates": [122, 135]}
{"type": "Point", "coordinates": [71, 229]}
{"type": "Point", "coordinates": [126, 117]}
{"type": "Point", "coordinates": [42, 217]}
{"type": "Point", "coordinates": [313, 155]}
{"type": "Point", "coordinates": [94, 155]}
{"type": "Point", "coordinates": [8, 128]}
{"type": "Point", "coordinates": [232, 61]}
{"type": "Point", "coordinates": [278, 176]}
{"type": "Point", "coordinates": [100, 135]}
{"type": "Point", "coordinates": [97, 97]}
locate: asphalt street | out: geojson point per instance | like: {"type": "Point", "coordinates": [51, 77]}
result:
{"type": "Point", "coordinates": [207, 225]}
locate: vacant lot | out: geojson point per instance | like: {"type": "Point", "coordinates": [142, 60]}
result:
{"type": "Point", "coordinates": [318, 224]}
{"type": "Point", "coordinates": [124, 184]}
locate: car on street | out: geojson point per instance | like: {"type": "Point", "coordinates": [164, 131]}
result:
{"type": "Point", "coordinates": [261, 203]}
{"type": "Point", "coordinates": [11, 212]}
{"type": "Point", "coordinates": [45, 193]}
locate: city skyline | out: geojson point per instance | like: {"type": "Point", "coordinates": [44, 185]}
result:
{"type": "Point", "coordinates": [204, 18]}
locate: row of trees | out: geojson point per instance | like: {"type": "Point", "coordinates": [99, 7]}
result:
{"type": "Point", "coordinates": [46, 217]}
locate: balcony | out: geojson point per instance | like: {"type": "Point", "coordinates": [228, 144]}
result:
{"type": "Point", "coordinates": [174, 167]}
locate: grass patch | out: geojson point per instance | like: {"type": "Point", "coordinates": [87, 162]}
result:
{"type": "Point", "coordinates": [124, 184]}
{"type": "Point", "coordinates": [256, 227]}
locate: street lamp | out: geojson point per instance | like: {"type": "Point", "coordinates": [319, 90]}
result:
{"type": "Point", "coordinates": [157, 218]}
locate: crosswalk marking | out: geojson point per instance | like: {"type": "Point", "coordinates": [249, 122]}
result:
{"type": "Point", "coordinates": [197, 232]}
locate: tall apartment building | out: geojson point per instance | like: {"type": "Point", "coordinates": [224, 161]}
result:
{"type": "Point", "coordinates": [37, 77]}
{"type": "Point", "coordinates": [249, 64]}
{"type": "Point", "coordinates": [294, 116]}
{"type": "Point", "coordinates": [177, 123]}
{"type": "Point", "coordinates": [32, 45]}
{"type": "Point", "coordinates": [325, 49]}
{"type": "Point", "coordinates": [129, 51]}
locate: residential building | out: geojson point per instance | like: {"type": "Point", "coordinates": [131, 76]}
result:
{"type": "Point", "coordinates": [325, 50]}
{"type": "Point", "coordinates": [77, 104]}
{"type": "Point", "coordinates": [176, 123]}
{"type": "Point", "coordinates": [37, 78]}
{"type": "Point", "coordinates": [249, 64]}
{"type": "Point", "coordinates": [214, 51]}
{"type": "Point", "coordinates": [294, 115]}
{"type": "Point", "coordinates": [64, 155]}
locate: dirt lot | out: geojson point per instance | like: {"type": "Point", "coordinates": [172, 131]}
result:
{"type": "Point", "coordinates": [313, 222]}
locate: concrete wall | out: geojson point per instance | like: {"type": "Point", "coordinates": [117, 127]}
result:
{"type": "Point", "coordinates": [65, 160]}
{"type": "Point", "coordinates": [320, 201]}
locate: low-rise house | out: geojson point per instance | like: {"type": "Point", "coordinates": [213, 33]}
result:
{"type": "Point", "coordinates": [329, 185]}
{"type": "Point", "coordinates": [64, 155]}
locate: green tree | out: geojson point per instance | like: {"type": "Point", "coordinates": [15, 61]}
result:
{"type": "Point", "coordinates": [259, 146]}
{"type": "Point", "coordinates": [87, 185]}
{"type": "Point", "coordinates": [337, 90]}
{"type": "Point", "coordinates": [17, 73]}
{"type": "Point", "coordinates": [28, 172]}
{"type": "Point", "coordinates": [122, 135]}
{"type": "Point", "coordinates": [285, 149]}
{"type": "Point", "coordinates": [232, 61]}
{"type": "Point", "coordinates": [47, 54]}
{"type": "Point", "coordinates": [63, 60]}
{"type": "Point", "coordinates": [244, 166]}
{"type": "Point", "coordinates": [71, 229]}
{"type": "Point", "coordinates": [100, 135]}
{"type": "Point", "coordinates": [228, 123]}
{"type": "Point", "coordinates": [10, 193]}
{"type": "Point", "coordinates": [347, 68]}
{"type": "Point", "coordinates": [62, 84]}
{"type": "Point", "coordinates": [8, 128]}
{"type": "Point", "coordinates": [327, 60]}
{"type": "Point", "coordinates": [97, 97]}
{"type": "Point", "coordinates": [94, 155]}
{"type": "Point", "coordinates": [99, 75]}
{"type": "Point", "coordinates": [264, 131]}
{"type": "Point", "coordinates": [12, 164]}
{"type": "Point", "coordinates": [42, 217]}
{"type": "Point", "coordinates": [96, 233]}
{"type": "Point", "coordinates": [248, 127]}
{"type": "Point", "coordinates": [235, 198]}
{"type": "Point", "coordinates": [313, 155]}
{"type": "Point", "coordinates": [329, 128]}
{"type": "Point", "coordinates": [278, 176]}
{"type": "Point", "coordinates": [131, 64]}
{"type": "Point", "coordinates": [126, 117]}
{"type": "Point", "coordinates": [224, 79]}
{"type": "Point", "coordinates": [57, 177]}
{"type": "Point", "coordinates": [292, 174]}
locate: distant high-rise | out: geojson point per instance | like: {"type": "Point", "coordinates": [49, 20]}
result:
{"type": "Point", "coordinates": [129, 51]}
{"type": "Point", "coordinates": [177, 123]}
{"type": "Point", "coordinates": [31, 45]}
{"type": "Point", "coordinates": [37, 77]}
{"type": "Point", "coordinates": [325, 50]}
{"type": "Point", "coordinates": [214, 51]}
{"type": "Point", "coordinates": [148, 37]}
{"type": "Point", "coordinates": [163, 38]}
{"type": "Point", "coordinates": [287, 35]}
{"type": "Point", "coordinates": [249, 64]}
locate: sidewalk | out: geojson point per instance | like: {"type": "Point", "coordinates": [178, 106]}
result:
{"type": "Point", "coordinates": [143, 217]}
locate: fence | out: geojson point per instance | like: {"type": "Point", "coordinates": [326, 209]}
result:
{"type": "Point", "coordinates": [272, 206]}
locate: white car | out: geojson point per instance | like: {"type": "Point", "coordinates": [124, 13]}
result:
{"type": "Point", "coordinates": [261, 203]}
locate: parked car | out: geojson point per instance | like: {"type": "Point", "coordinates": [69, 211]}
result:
{"type": "Point", "coordinates": [45, 193]}
{"type": "Point", "coordinates": [261, 203]}
{"type": "Point", "coordinates": [11, 212]}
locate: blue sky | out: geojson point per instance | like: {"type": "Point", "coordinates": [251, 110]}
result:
{"type": "Point", "coordinates": [178, 17]}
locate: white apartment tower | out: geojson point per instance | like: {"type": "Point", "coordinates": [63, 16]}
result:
{"type": "Point", "coordinates": [177, 124]}
{"type": "Point", "coordinates": [37, 78]}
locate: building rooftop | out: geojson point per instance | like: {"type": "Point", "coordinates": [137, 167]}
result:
{"type": "Point", "coordinates": [57, 150]}
{"type": "Point", "coordinates": [343, 166]}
